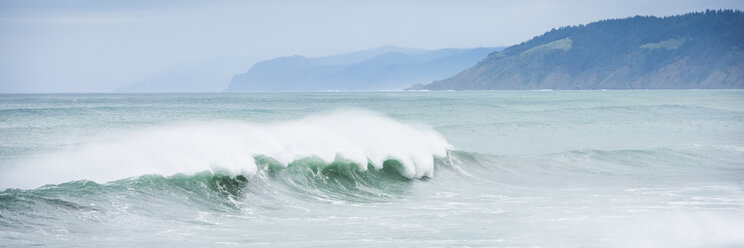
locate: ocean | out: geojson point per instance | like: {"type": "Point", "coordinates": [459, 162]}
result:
{"type": "Point", "coordinates": [641, 168]}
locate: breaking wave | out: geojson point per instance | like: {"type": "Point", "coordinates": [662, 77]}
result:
{"type": "Point", "coordinates": [360, 139]}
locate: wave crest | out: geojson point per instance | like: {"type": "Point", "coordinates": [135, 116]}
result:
{"type": "Point", "coordinates": [356, 137]}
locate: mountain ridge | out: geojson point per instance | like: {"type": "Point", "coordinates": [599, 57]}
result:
{"type": "Point", "coordinates": [699, 50]}
{"type": "Point", "coordinates": [387, 68]}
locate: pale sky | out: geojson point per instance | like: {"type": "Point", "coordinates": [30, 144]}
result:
{"type": "Point", "coordinates": [101, 45]}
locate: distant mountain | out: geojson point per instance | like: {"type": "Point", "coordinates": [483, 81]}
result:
{"type": "Point", "coordinates": [205, 76]}
{"type": "Point", "coordinates": [692, 51]}
{"type": "Point", "coordinates": [387, 68]}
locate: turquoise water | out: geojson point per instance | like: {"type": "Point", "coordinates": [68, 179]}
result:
{"type": "Point", "coordinates": [504, 169]}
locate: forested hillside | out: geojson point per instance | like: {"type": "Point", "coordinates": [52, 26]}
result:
{"type": "Point", "coordinates": [696, 50]}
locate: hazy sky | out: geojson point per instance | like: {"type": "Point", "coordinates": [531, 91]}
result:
{"type": "Point", "coordinates": [101, 45]}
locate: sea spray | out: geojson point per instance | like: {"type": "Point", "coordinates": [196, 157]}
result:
{"type": "Point", "coordinates": [359, 137]}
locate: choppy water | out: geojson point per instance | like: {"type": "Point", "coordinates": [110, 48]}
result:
{"type": "Point", "coordinates": [526, 168]}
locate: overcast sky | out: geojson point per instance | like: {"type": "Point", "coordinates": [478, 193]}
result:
{"type": "Point", "coordinates": [101, 45]}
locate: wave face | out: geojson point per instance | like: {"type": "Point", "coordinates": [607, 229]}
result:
{"type": "Point", "coordinates": [361, 138]}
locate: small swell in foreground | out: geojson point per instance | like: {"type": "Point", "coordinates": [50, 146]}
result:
{"type": "Point", "coordinates": [360, 138]}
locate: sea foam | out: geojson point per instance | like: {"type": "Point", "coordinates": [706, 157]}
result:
{"type": "Point", "coordinates": [355, 136]}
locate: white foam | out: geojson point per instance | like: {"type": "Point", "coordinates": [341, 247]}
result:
{"type": "Point", "coordinates": [356, 136]}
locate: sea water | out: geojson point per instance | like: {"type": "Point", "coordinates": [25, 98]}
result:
{"type": "Point", "coordinates": [374, 169]}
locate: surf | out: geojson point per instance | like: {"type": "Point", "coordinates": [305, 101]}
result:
{"type": "Point", "coordinates": [357, 137]}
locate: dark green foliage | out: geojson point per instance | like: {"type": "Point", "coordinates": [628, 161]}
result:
{"type": "Point", "coordinates": [611, 54]}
